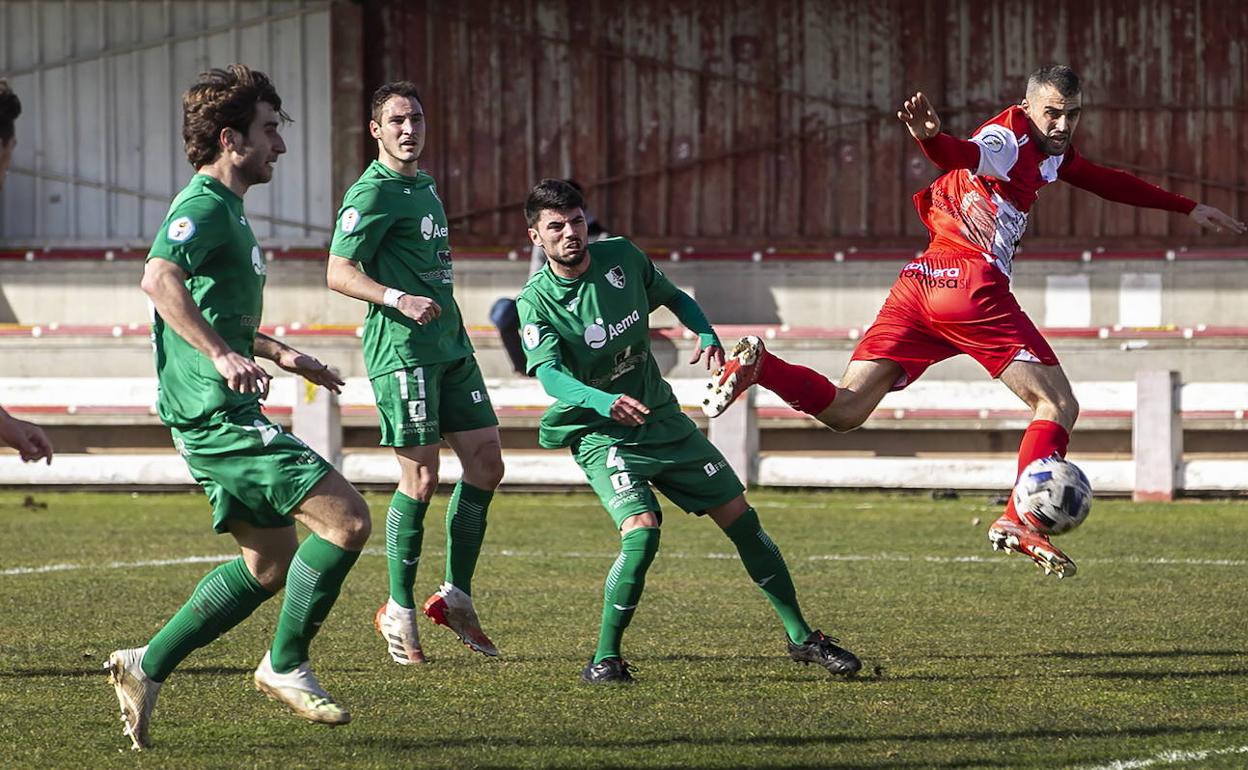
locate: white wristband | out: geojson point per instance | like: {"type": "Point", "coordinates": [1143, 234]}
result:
{"type": "Point", "coordinates": [392, 296]}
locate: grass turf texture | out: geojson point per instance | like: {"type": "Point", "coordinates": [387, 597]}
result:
{"type": "Point", "coordinates": [971, 659]}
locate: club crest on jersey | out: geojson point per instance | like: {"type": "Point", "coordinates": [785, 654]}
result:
{"type": "Point", "coordinates": [444, 257]}
{"type": "Point", "coordinates": [531, 336]}
{"type": "Point", "coordinates": [350, 218]}
{"type": "Point", "coordinates": [430, 229]}
{"type": "Point", "coordinates": [615, 277]}
{"type": "Point", "coordinates": [257, 261]}
{"type": "Point", "coordinates": [181, 229]}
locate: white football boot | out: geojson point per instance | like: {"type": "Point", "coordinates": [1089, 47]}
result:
{"type": "Point", "coordinates": [136, 694]}
{"type": "Point", "coordinates": [300, 691]}
{"type": "Point", "coordinates": [397, 625]}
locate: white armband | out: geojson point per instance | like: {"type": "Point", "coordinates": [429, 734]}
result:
{"type": "Point", "coordinates": [392, 296]}
{"type": "Point", "coordinates": [998, 152]}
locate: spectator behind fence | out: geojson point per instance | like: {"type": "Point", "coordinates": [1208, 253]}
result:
{"type": "Point", "coordinates": [10, 108]}
{"type": "Point", "coordinates": [503, 312]}
{"type": "Point", "coordinates": [27, 438]}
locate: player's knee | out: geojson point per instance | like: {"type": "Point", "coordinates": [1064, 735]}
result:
{"type": "Point", "coordinates": [270, 573]}
{"type": "Point", "coordinates": [488, 472]}
{"type": "Point", "coordinates": [843, 421]}
{"type": "Point", "coordinates": [419, 481]}
{"type": "Point", "coordinates": [355, 528]}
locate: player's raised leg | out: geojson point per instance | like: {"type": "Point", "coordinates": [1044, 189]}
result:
{"type": "Point", "coordinates": [1047, 391]}
{"type": "Point", "coordinates": [480, 455]}
{"type": "Point", "coordinates": [765, 565]}
{"type": "Point", "coordinates": [340, 524]}
{"type": "Point", "coordinates": [842, 408]}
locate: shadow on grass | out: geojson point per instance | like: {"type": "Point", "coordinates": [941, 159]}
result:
{"type": "Point", "coordinates": [1093, 654]}
{"type": "Point", "coordinates": [97, 669]}
{"type": "Point", "coordinates": [485, 743]}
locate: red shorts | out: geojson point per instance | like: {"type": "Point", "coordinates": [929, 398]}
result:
{"type": "Point", "coordinates": [945, 304]}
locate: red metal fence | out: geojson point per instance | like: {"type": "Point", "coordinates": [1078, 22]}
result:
{"type": "Point", "coordinates": [754, 124]}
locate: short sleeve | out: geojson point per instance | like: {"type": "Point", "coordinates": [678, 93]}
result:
{"type": "Point", "coordinates": [537, 336]}
{"type": "Point", "coordinates": [191, 232]}
{"type": "Point", "coordinates": [361, 225]}
{"type": "Point", "coordinates": [998, 151]}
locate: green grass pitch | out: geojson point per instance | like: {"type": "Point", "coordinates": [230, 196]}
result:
{"type": "Point", "coordinates": [971, 659]}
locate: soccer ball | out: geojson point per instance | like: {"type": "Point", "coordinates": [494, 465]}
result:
{"type": "Point", "coordinates": [1052, 495]}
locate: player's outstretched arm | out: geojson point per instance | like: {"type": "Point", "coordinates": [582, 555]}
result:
{"type": "Point", "coordinates": [560, 384]}
{"type": "Point", "coordinates": [345, 277]}
{"type": "Point", "coordinates": [1216, 219]}
{"type": "Point", "coordinates": [27, 438]}
{"type": "Point", "coordinates": [165, 284]}
{"type": "Point", "coordinates": [689, 312]}
{"type": "Point", "coordinates": [308, 367]}
{"type": "Point", "coordinates": [920, 117]}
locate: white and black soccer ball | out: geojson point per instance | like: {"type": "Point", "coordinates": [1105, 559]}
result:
{"type": "Point", "coordinates": [1052, 495]}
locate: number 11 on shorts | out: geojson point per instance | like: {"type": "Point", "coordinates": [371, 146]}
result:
{"type": "Point", "coordinates": [415, 407]}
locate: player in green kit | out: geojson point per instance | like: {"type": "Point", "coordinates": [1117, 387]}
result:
{"type": "Point", "coordinates": [205, 276]}
{"type": "Point", "coordinates": [586, 334]}
{"type": "Point", "coordinates": [391, 250]}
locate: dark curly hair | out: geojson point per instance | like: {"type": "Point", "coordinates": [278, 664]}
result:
{"type": "Point", "coordinates": [221, 99]}
{"type": "Point", "coordinates": [10, 108]}
{"type": "Point", "coordinates": [553, 195]}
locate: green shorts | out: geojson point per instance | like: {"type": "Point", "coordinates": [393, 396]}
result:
{"type": "Point", "coordinates": [417, 406]}
{"type": "Point", "coordinates": [689, 470]}
{"type": "Point", "coordinates": [250, 468]}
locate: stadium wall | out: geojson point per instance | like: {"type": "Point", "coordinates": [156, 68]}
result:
{"type": "Point", "coordinates": [99, 153]}
{"type": "Point", "coordinates": [772, 122]}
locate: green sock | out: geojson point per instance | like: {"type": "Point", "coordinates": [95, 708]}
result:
{"type": "Point", "coordinates": [221, 601]}
{"type": "Point", "coordinates": [465, 531]}
{"type": "Point", "coordinates": [404, 534]}
{"type": "Point", "coordinates": [767, 569]}
{"type": "Point", "coordinates": [312, 585]}
{"type": "Point", "coordinates": [625, 582]}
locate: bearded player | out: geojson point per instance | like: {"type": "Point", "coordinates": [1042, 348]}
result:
{"type": "Point", "coordinates": [956, 297]}
{"type": "Point", "coordinates": [586, 336]}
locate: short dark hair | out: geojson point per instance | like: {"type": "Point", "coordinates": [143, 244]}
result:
{"type": "Point", "coordinates": [394, 88]}
{"type": "Point", "coordinates": [1059, 76]}
{"type": "Point", "coordinates": [10, 108]}
{"type": "Point", "coordinates": [221, 99]}
{"type": "Point", "coordinates": [553, 195]}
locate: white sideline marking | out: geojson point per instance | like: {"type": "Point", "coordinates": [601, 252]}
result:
{"type": "Point", "coordinates": [846, 557]}
{"type": "Point", "coordinates": [1168, 758]}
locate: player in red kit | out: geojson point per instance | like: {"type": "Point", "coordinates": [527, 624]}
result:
{"type": "Point", "coordinates": [956, 297]}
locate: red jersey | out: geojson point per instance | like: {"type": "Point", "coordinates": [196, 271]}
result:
{"type": "Point", "coordinates": [980, 206]}
{"type": "Point", "coordinates": [985, 211]}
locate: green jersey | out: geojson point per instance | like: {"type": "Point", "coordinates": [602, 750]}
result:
{"type": "Point", "coordinates": [395, 227]}
{"type": "Point", "coordinates": [206, 234]}
{"type": "Point", "coordinates": [597, 326]}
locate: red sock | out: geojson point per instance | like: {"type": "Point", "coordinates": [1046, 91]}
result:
{"type": "Point", "coordinates": [801, 388]}
{"type": "Point", "coordinates": [1043, 438]}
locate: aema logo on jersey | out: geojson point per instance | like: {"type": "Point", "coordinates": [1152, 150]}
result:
{"type": "Point", "coordinates": [615, 277]}
{"type": "Point", "coordinates": [597, 334]}
{"type": "Point", "coordinates": [430, 229]}
{"type": "Point", "coordinates": [181, 229]}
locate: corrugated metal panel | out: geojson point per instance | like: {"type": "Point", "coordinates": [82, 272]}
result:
{"type": "Point", "coordinates": [99, 150]}
{"type": "Point", "coordinates": [771, 122]}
